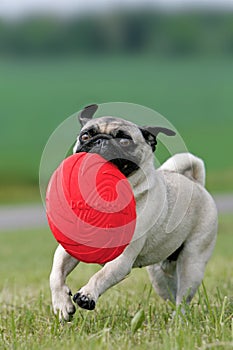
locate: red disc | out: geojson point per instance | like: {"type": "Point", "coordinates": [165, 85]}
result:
{"type": "Point", "coordinates": [91, 208]}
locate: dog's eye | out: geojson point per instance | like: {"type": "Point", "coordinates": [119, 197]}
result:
{"type": "Point", "coordinates": [85, 137]}
{"type": "Point", "coordinates": [124, 142]}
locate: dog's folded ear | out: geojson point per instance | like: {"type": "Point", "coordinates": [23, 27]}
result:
{"type": "Point", "coordinates": [87, 113]}
{"type": "Point", "coordinates": [150, 133]}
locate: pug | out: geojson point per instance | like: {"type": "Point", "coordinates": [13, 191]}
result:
{"type": "Point", "coordinates": [176, 223]}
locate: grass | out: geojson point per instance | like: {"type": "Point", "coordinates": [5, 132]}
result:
{"type": "Point", "coordinates": [19, 193]}
{"type": "Point", "coordinates": [27, 322]}
{"type": "Point", "coordinates": [37, 95]}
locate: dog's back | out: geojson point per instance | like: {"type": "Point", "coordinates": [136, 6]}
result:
{"type": "Point", "coordinates": [188, 165]}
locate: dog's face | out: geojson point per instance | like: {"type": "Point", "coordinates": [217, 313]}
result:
{"type": "Point", "coordinates": [123, 143]}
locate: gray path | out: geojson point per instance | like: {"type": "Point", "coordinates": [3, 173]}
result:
{"type": "Point", "coordinates": [33, 216]}
{"type": "Point", "coordinates": [22, 217]}
{"type": "Point", "coordinates": [224, 203]}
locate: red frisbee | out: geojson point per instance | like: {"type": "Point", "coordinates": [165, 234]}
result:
{"type": "Point", "coordinates": [90, 208]}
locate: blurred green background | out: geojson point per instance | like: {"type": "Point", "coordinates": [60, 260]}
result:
{"type": "Point", "coordinates": [179, 63]}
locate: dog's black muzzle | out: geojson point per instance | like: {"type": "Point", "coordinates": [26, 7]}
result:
{"type": "Point", "coordinates": [96, 142]}
{"type": "Point", "coordinates": [101, 143]}
{"type": "Point", "coordinates": [108, 148]}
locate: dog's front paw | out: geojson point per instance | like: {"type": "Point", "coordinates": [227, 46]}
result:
{"type": "Point", "coordinates": [86, 301]}
{"type": "Point", "coordinates": [62, 303]}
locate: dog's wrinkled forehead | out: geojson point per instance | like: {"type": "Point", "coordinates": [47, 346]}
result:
{"type": "Point", "coordinates": [112, 126]}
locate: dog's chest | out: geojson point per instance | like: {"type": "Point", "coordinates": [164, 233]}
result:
{"type": "Point", "coordinates": [158, 246]}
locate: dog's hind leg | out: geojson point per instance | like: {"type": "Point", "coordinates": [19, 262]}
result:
{"type": "Point", "coordinates": [189, 276]}
{"type": "Point", "coordinates": [178, 279]}
{"type": "Point", "coordinates": [163, 276]}
{"type": "Point", "coordinates": [164, 279]}
{"type": "Point", "coordinates": [196, 253]}
{"type": "Point", "coordinates": [63, 264]}
{"type": "Point", "coordinates": [190, 270]}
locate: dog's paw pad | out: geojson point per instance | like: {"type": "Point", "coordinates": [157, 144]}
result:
{"type": "Point", "coordinates": [84, 301]}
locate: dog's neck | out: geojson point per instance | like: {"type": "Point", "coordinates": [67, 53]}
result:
{"type": "Point", "coordinates": [143, 179]}
{"type": "Point", "coordinates": [150, 195]}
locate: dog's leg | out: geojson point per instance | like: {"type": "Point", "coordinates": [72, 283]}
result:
{"type": "Point", "coordinates": [63, 264]}
{"type": "Point", "coordinates": [164, 280]}
{"type": "Point", "coordinates": [192, 262]}
{"type": "Point", "coordinates": [163, 276]}
{"type": "Point", "coordinates": [189, 277]}
{"type": "Point", "coordinates": [112, 273]}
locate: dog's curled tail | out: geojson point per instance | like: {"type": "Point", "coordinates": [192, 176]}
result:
{"type": "Point", "coordinates": [188, 165]}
